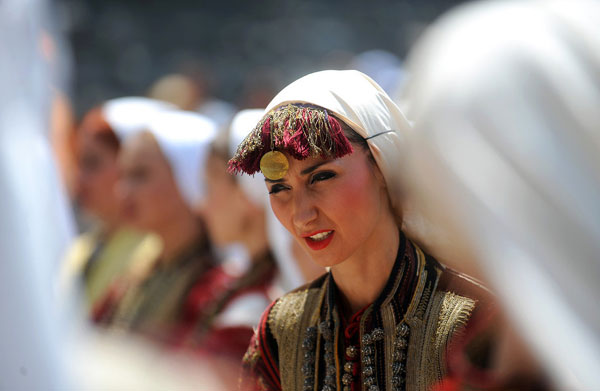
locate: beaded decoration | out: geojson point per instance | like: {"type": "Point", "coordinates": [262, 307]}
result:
{"type": "Point", "coordinates": [398, 364]}
{"type": "Point", "coordinates": [369, 375]}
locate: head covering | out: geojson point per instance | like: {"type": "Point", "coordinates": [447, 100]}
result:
{"type": "Point", "coordinates": [350, 96]}
{"type": "Point", "coordinates": [184, 138]}
{"type": "Point", "coordinates": [506, 146]}
{"type": "Point", "coordinates": [128, 115]}
{"type": "Point", "coordinates": [280, 241]}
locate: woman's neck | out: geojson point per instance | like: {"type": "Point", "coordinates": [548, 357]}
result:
{"type": "Point", "coordinates": [362, 277]}
{"type": "Point", "coordinates": [178, 234]}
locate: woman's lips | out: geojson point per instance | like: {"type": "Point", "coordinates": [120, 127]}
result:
{"type": "Point", "coordinates": [318, 240]}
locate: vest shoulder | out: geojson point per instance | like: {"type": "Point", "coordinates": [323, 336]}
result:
{"type": "Point", "coordinates": [453, 313]}
{"type": "Point", "coordinates": [294, 309]}
{"type": "Point", "coordinates": [458, 299]}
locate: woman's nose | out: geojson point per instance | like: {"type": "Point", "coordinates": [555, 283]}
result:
{"type": "Point", "coordinates": [305, 211]}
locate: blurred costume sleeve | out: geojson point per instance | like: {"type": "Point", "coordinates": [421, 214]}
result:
{"type": "Point", "coordinates": [94, 261]}
{"type": "Point", "coordinates": [228, 308]}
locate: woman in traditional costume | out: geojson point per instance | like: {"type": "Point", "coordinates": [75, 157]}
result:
{"type": "Point", "coordinates": [386, 313]}
{"type": "Point", "coordinates": [517, 150]}
{"type": "Point", "coordinates": [160, 187]}
{"type": "Point", "coordinates": [100, 255]}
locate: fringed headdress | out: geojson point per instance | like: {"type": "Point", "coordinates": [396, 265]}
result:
{"type": "Point", "coordinates": [299, 130]}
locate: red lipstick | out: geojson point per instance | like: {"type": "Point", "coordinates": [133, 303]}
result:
{"type": "Point", "coordinates": [318, 244]}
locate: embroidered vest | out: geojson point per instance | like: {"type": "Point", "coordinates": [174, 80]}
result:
{"type": "Point", "coordinates": [403, 337]}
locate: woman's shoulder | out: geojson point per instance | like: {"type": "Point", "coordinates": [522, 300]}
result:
{"type": "Point", "coordinates": [317, 283]}
{"type": "Point", "coordinates": [293, 309]}
{"type": "Point", "coordinates": [278, 335]}
{"type": "Point", "coordinates": [300, 294]}
{"type": "Point", "coordinates": [459, 302]}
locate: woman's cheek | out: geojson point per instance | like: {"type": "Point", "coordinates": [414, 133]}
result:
{"type": "Point", "coordinates": [351, 194]}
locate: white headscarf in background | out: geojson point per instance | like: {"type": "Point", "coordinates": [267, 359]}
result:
{"type": "Point", "coordinates": [184, 138]}
{"type": "Point", "coordinates": [280, 241]}
{"type": "Point", "coordinates": [358, 101]}
{"type": "Point", "coordinates": [506, 149]}
{"type": "Point", "coordinates": [129, 115]}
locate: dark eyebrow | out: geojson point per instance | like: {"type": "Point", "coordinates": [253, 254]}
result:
{"type": "Point", "coordinates": [313, 167]}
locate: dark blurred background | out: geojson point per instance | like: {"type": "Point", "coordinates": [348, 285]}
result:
{"type": "Point", "coordinates": [232, 48]}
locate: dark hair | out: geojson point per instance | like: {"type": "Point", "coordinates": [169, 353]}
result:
{"type": "Point", "coordinates": [352, 136]}
{"type": "Point", "coordinates": [356, 139]}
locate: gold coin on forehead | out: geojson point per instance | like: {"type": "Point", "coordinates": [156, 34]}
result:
{"type": "Point", "coordinates": [274, 165]}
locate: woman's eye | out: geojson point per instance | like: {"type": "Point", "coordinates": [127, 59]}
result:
{"type": "Point", "coordinates": [321, 176]}
{"type": "Point", "coordinates": [276, 189]}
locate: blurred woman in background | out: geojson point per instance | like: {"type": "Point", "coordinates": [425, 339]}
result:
{"type": "Point", "coordinates": [104, 252]}
{"type": "Point", "coordinates": [159, 188]}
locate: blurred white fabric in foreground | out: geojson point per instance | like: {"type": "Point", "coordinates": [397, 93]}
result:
{"type": "Point", "coordinates": [35, 223]}
{"type": "Point", "coordinates": [505, 153]}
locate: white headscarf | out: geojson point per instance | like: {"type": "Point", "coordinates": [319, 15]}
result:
{"type": "Point", "coordinates": [358, 101]}
{"type": "Point", "coordinates": [185, 138]}
{"type": "Point", "coordinates": [129, 115]}
{"type": "Point", "coordinates": [505, 97]}
{"type": "Point", "coordinates": [280, 241]}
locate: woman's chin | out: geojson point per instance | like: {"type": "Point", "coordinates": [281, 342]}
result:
{"type": "Point", "coordinates": [325, 261]}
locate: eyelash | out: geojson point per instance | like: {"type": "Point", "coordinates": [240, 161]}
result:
{"type": "Point", "coordinates": [318, 177]}
{"type": "Point", "coordinates": [321, 176]}
{"type": "Point", "coordinates": [276, 189]}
